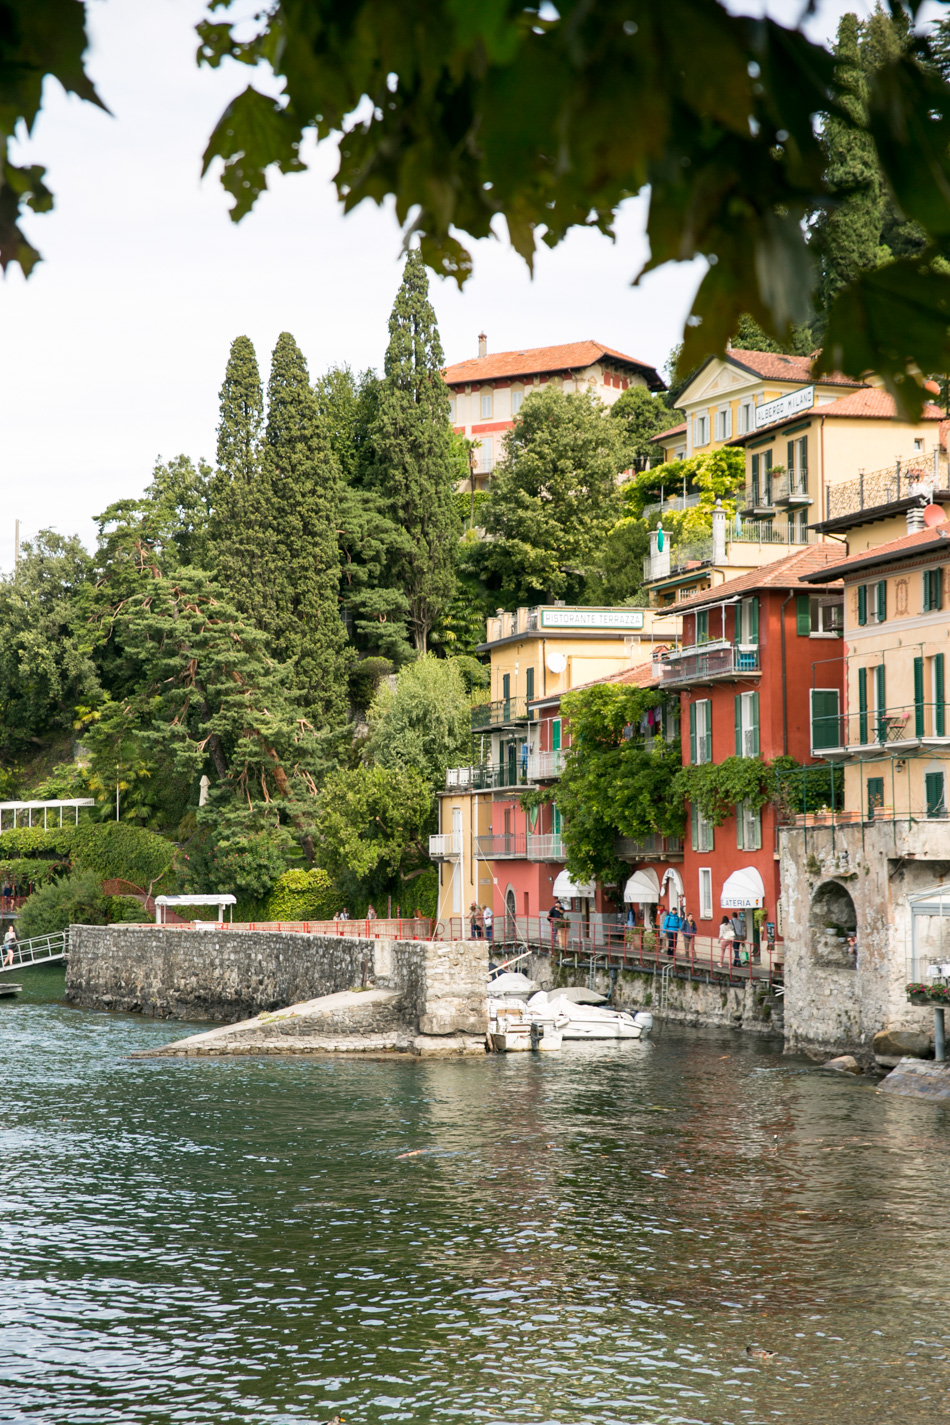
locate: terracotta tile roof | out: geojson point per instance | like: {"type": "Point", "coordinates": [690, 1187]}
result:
{"type": "Point", "coordinates": [921, 542]}
{"type": "Point", "coordinates": [639, 677]}
{"type": "Point", "coordinates": [873, 404]}
{"type": "Point", "coordinates": [542, 360]}
{"type": "Point", "coordinates": [673, 430]}
{"type": "Point", "coordinates": [786, 573]}
{"type": "Point", "coordinates": [775, 366]}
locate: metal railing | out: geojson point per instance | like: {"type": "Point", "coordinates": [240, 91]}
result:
{"type": "Point", "coordinates": [608, 946]}
{"type": "Point", "coordinates": [445, 845]}
{"type": "Point", "coordinates": [644, 848]}
{"type": "Point", "coordinates": [542, 765]}
{"type": "Point", "coordinates": [770, 532]}
{"type": "Point", "coordinates": [500, 713]}
{"type": "Point", "coordinates": [707, 660]}
{"type": "Point", "coordinates": [871, 488]}
{"type": "Point", "coordinates": [854, 731]}
{"type": "Point", "coordinates": [415, 927]}
{"type": "Point", "coordinates": [489, 776]}
{"type": "Point", "coordinates": [40, 950]}
{"type": "Point", "coordinates": [544, 847]}
{"type": "Point", "coordinates": [512, 843]}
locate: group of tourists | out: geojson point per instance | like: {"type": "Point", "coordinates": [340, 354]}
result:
{"type": "Point", "coordinates": [732, 937]}
{"type": "Point", "coordinates": [482, 921]}
{"type": "Point", "coordinates": [672, 926]}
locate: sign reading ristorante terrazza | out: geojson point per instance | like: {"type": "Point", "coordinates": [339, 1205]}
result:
{"type": "Point", "coordinates": [591, 618]}
{"type": "Point", "coordinates": [785, 406]}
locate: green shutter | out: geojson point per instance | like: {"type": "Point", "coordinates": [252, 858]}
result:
{"type": "Point", "coordinates": [740, 826]}
{"type": "Point", "coordinates": [925, 591]}
{"type": "Point", "coordinates": [803, 478]}
{"type": "Point", "coordinates": [918, 697]}
{"type": "Point", "coordinates": [881, 604]}
{"type": "Point", "coordinates": [753, 629]}
{"type": "Point", "coordinates": [529, 684]}
{"type": "Point", "coordinates": [708, 719]}
{"type": "Point", "coordinates": [692, 734]}
{"type": "Point", "coordinates": [556, 735]}
{"type": "Point", "coordinates": [940, 710]}
{"type": "Point", "coordinates": [933, 790]}
{"type": "Point", "coordinates": [754, 705]}
{"type": "Point", "coordinates": [875, 794]}
{"type": "Point", "coordinates": [790, 463]}
{"type": "Point", "coordinates": [825, 731]}
{"type": "Point", "coordinates": [862, 603]}
{"type": "Point", "coordinates": [694, 826]}
{"type": "Point", "coordinates": [862, 705]}
{"type": "Point", "coordinates": [755, 479]}
{"type": "Point", "coordinates": [738, 715]}
{"type": "Point", "coordinates": [880, 703]}
{"type": "Point", "coordinates": [803, 615]}
{"type": "Point", "coordinates": [938, 588]}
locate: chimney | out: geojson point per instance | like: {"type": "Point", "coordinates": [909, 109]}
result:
{"type": "Point", "coordinates": [482, 344]}
{"type": "Point", "coordinates": [719, 534]}
{"type": "Point", "coordinates": [915, 519]}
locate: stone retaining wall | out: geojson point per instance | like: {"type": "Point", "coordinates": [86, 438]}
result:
{"type": "Point", "coordinates": [228, 976]}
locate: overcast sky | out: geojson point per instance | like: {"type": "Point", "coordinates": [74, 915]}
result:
{"type": "Point", "coordinates": [113, 351]}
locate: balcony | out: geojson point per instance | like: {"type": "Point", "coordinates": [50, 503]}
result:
{"type": "Point", "coordinates": [767, 532]}
{"type": "Point", "coordinates": [758, 499]}
{"type": "Point", "coordinates": [508, 845]}
{"type": "Point", "coordinates": [791, 489]}
{"type": "Point", "coordinates": [504, 713]}
{"type": "Point", "coordinates": [707, 663]}
{"type": "Point", "coordinates": [543, 766]}
{"type": "Point", "coordinates": [872, 489]}
{"type": "Point", "coordinates": [545, 848]}
{"type": "Point", "coordinates": [864, 735]}
{"type": "Point", "coordinates": [445, 846]}
{"type": "Point", "coordinates": [486, 777]}
{"type": "Point", "coordinates": [648, 848]}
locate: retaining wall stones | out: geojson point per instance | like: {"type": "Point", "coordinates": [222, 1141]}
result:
{"type": "Point", "coordinates": [233, 975]}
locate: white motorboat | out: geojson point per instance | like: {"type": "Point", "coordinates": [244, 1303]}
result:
{"type": "Point", "coordinates": [521, 1020]}
{"type": "Point", "coordinates": [592, 1021]}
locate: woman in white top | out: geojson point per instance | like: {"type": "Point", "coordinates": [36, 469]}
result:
{"type": "Point", "coordinates": [726, 940]}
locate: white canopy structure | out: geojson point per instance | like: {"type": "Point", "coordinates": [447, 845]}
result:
{"type": "Point", "coordinates": [34, 808]}
{"type": "Point", "coordinates": [743, 890]}
{"type": "Point", "coordinates": [566, 889]}
{"type": "Point", "coordinates": [221, 899]}
{"type": "Point", "coordinates": [643, 886]}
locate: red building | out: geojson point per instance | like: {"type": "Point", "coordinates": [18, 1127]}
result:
{"type": "Point", "coordinates": [761, 658]}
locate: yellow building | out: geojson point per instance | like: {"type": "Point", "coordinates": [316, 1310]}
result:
{"type": "Point", "coordinates": [536, 654]}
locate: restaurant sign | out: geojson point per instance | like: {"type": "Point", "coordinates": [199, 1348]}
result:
{"type": "Point", "coordinates": [785, 407]}
{"type": "Point", "coordinates": [591, 618]}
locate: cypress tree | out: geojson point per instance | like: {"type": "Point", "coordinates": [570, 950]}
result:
{"type": "Point", "coordinates": [235, 486]}
{"type": "Point", "coordinates": [413, 470]}
{"type": "Point", "coordinates": [300, 571]}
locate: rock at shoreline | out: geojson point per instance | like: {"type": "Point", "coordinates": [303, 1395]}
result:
{"type": "Point", "coordinates": [892, 1045]}
{"type": "Point", "coordinates": [844, 1064]}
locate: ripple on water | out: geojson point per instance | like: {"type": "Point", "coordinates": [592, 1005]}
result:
{"type": "Point", "coordinates": [589, 1237]}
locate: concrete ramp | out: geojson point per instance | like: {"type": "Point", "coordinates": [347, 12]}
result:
{"type": "Point", "coordinates": [919, 1078]}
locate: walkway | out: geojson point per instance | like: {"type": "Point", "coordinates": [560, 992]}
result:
{"type": "Point", "coordinates": [41, 950]}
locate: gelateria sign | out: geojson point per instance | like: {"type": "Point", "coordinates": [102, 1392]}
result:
{"type": "Point", "coordinates": [791, 405]}
{"type": "Point", "coordinates": [591, 618]}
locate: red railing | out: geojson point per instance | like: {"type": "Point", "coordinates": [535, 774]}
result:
{"type": "Point", "coordinates": [412, 928]}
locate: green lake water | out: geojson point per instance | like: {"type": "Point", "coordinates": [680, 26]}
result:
{"type": "Point", "coordinates": [592, 1236]}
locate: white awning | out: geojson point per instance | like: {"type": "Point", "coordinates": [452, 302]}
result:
{"type": "Point", "coordinates": [225, 898]}
{"type": "Point", "coordinates": [743, 890]}
{"type": "Point", "coordinates": [642, 886]}
{"type": "Point", "coordinates": [566, 889]}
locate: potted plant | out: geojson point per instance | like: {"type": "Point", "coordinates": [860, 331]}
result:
{"type": "Point", "coordinates": [919, 994]}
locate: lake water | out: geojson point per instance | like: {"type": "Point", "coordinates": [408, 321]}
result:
{"type": "Point", "coordinates": [593, 1236]}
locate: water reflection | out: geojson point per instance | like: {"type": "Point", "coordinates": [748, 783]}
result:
{"type": "Point", "coordinates": [593, 1236]}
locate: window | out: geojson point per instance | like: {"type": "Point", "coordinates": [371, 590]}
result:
{"type": "Point", "coordinates": [702, 626]}
{"type": "Point", "coordinates": [825, 718]}
{"type": "Point", "coordinates": [797, 464]}
{"type": "Point", "coordinates": [880, 601]}
{"type": "Point", "coordinates": [485, 457]}
{"type": "Point", "coordinates": [748, 827]}
{"type": "Point", "coordinates": [826, 616]}
{"type": "Point", "coordinates": [705, 894]}
{"type": "Point", "coordinates": [529, 683]}
{"type": "Point", "coordinates": [506, 692]}
{"type": "Point", "coordinates": [701, 430]}
{"type": "Point", "coordinates": [935, 795]}
{"type": "Point", "coordinates": [933, 589]}
{"type": "Point", "coordinates": [723, 423]}
{"type": "Point", "coordinates": [747, 724]}
{"type": "Point", "coordinates": [937, 695]}
{"type": "Point", "coordinates": [516, 399]}
{"type": "Point", "coordinates": [702, 830]}
{"type": "Point", "coordinates": [746, 417]}
{"type": "Point", "coordinates": [875, 795]}
{"type": "Point", "coordinates": [880, 703]}
{"type": "Point", "coordinates": [700, 731]}
{"type": "Point", "coordinates": [918, 443]}
{"type": "Point", "coordinates": [747, 623]}
{"type": "Point", "coordinates": [918, 697]}
{"type": "Point", "coordinates": [802, 615]}
{"type": "Point", "coordinates": [862, 705]}
{"type": "Point", "coordinates": [862, 604]}
{"type": "Point", "coordinates": [486, 405]}
{"type": "Point", "coordinates": [762, 479]}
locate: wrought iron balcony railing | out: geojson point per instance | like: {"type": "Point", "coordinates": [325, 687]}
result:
{"type": "Point", "coordinates": [707, 661]}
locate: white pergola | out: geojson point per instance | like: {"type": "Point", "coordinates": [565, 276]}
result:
{"type": "Point", "coordinates": [221, 899]}
{"type": "Point", "coordinates": [45, 807]}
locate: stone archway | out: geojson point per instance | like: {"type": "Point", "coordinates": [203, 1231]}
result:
{"type": "Point", "coordinates": [831, 918]}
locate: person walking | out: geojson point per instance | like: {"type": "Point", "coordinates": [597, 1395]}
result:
{"type": "Point", "coordinates": [673, 924]}
{"type": "Point", "coordinates": [488, 921]}
{"type": "Point", "coordinates": [475, 920]}
{"type": "Point", "coordinates": [689, 936]}
{"type": "Point", "coordinates": [371, 912]}
{"type": "Point", "coordinates": [9, 945]}
{"type": "Point", "coordinates": [558, 923]}
{"type": "Point", "coordinates": [738, 927]}
{"type": "Point", "coordinates": [726, 939]}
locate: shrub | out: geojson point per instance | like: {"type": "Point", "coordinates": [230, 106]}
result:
{"type": "Point", "coordinates": [111, 849]}
{"type": "Point", "coordinates": [75, 900]}
{"type": "Point", "coordinates": [303, 895]}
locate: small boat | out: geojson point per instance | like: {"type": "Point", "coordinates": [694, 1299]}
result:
{"type": "Point", "coordinates": [8, 990]}
{"type": "Point", "coordinates": [527, 1018]}
{"type": "Point", "coordinates": [592, 1021]}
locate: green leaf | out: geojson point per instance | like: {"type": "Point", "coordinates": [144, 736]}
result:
{"type": "Point", "coordinates": [252, 133]}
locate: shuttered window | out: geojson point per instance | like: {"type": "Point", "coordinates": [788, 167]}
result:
{"type": "Point", "coordinates": [918, 697]}
{"type": "Point", "coordinates": [825, 718]}
{"type": "Point", "coordinates": [748, 828]}
{"type": "Point", "coordinates": [701, 829]}
{"type": "Point", "coordinates": [880, 601]}
{"type": "Point", "coordinates": [880, 703]}
{"type": "Point", "coordinates": [935, 794]}
{"type": "Point", "coordinates": [862, 705]}
{"type": "Point", "coordinates": [932, 589]}
{"type": "Point", "coordinates": [875, 794]}
{"type": "Point", "coordinates": [747, 724]}
{"type": "Point", "coordinates": [802, 615]}
{"type": "Point", "coordinates": [862, 603]}
{"type": "Point", "coordinates": [700, 732]}
{"type": "Point", "coordinates": [940, 707]}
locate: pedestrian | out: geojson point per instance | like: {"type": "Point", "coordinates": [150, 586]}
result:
{"type": "Point", "coordinates": [371, 913]}
{"type": "Point", "coordinates": [689, 936]}
{"type": "Point", "coordinates": [672, 925]}
{"type": "Point", "coordinates": [488, 920]}
{"type": "Point", "coordinates": [851, 943]}
{"type": "Point", "coordinates": [475, 920]}
{"type": "Point", "coordinates": [558, 923]}
{"type": "Point", "coordinates": [738, 927]}
{"type": "Point", "coordinates": [726, 938]}
{"type": "Point", "coordinates": [9, 945]}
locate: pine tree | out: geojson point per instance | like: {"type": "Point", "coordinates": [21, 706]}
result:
{"type": "Point", "coordinates": [299, 607]}
{"type": "Point", "coordinates": [235, 487]}
{"type": "Point", "coordinates": [412, 469]}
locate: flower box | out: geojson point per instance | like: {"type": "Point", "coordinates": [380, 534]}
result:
{"type": "Point", "coordinates": [914, 997]}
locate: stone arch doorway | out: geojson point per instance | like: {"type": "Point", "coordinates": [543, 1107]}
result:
{"type": "Point", "coordinates": [831, 918]}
